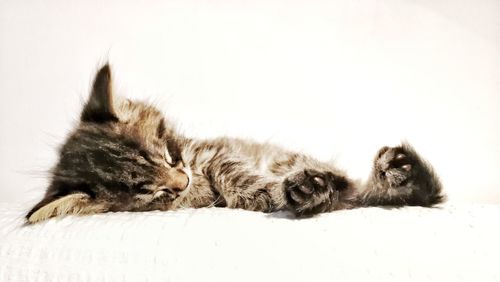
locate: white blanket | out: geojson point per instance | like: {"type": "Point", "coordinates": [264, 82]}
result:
{"type": "Point", "coordinates": [453, 243]}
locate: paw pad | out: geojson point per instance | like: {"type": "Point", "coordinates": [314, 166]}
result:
{"type": "Point", "coordinates": [394, 166]}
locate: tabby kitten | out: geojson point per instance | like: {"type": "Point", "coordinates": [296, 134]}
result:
{"type": "Point", "coordinates": [125, 156]}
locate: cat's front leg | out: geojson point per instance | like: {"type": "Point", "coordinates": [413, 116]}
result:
{"type": "Point", "coordinates": [309, 192]}
{"type": "Point", "coordinates": [401, 177]}
{"type": "Point", "coordinates": [242, 186]}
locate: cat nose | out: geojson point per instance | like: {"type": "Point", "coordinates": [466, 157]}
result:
{"type": "Point", "coordinates": [178, 181]}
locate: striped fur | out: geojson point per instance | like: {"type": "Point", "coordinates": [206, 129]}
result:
{"type": "Point", "coordinates": [125, 156]}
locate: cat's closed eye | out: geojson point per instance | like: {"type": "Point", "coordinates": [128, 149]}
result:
{"type": "Point", "coordinates": [169, 159]}
{"type": "Point", "coordinates": [173, 154]}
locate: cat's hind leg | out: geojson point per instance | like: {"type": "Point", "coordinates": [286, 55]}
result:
{"type": "Point", "coordinates": [401, 177]}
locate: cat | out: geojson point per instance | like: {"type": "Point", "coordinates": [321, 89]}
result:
{"type": "Point", "coordinates": [126, 156]}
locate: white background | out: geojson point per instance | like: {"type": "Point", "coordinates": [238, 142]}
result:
{"type": "Point", "coordinates": [336, 79]}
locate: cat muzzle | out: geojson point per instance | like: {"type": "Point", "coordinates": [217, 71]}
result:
{"type": "Point", "coordinates": [177, 181]}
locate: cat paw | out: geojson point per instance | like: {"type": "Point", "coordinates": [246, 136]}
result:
{"type": "Point", "coordinates": [402, 177]}
{"type": "Point", "coordinates": [394, 167]}
{"type": "Point", "coordinates": [311, 192]}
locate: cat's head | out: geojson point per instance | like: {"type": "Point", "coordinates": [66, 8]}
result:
{"type": "Point", "coordinates": [123, 156]}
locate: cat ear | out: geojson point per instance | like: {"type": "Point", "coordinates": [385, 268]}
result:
{"type": "Point", "coordinates": [99, 107]}
{"type": "Point", "coordinates": [51, 206]}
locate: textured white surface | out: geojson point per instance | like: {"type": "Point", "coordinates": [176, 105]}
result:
{"type": "Point", "coordinates": [454, 243]}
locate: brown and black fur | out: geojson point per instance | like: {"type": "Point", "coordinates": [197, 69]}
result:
{"type": "Point", "coordinates": [125, 156]}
